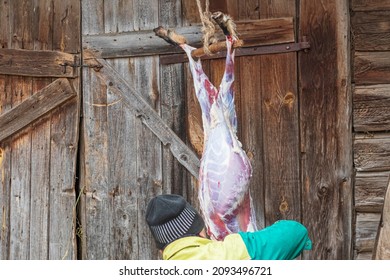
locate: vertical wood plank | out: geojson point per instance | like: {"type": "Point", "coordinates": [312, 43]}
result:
{"type": "Point", "coordinates": [5, 169]}
{"type": "Point", "coordinates": [40, 183]}
{"type": "Point", "coordinates": [251, 128]}
{"type": "Point", "coordinates": [279, 101]}
{"type": "Point", "coordinates": [281, 137]}
{"type": "Point", "coordinates": [20, 188]}
{"type": "Point", "coordinates": [20, 198]}
{"type": "Point", "coordinates": [64, 142]}
{"type": "Point", "coordinates": [325, 114]}
{"type": "Point", "coordinates": [66, 25]}
{"type": "Point", "coordinates": [96, 210]}
{"type": "Point", "coordinates": [249, 9]}
{"type": "Point", "coordinates": [42, 27]}
{"type": "Point", "coordinates": [122, 147]}
{"type": "Point", "coordinates": [5, 150]}
{"type": "Point", "coordinates": [62, 172]}
{"type": "Point", "coordinates": [149, 156]}
{"type": "Point", "coordinates": [172, 92]}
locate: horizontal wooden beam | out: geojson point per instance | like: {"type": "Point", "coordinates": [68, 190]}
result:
{"type": "Point", "coordinates": [37, 63]}
{"type": "Point", "coordinates": [366, 231]}
{"type": "Point", "coordinates": [136, 103]}
{"type": "Point", "coordinates": [370, 5]}
{"type": "Point", "coordinates": [371, 108]}
{"type": "Point", "coordinates": [35, 107]}
{"type": "Point", "coordinates": [372, 68]}
{"type": "Point", "coordinates": [370, 189]}
{"type": "Point", "coordinates": [142, 43]}
{"type": "Point", "coordinates": [372, 152]}
{"type": "Point", "coordinates": [371, 31]}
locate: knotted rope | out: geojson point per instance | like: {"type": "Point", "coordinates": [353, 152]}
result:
{"type": "Point", "coordinates": [208, 27]}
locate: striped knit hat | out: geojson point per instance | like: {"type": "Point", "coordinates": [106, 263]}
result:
{"type": "Point", "coordinates": [170, 217]}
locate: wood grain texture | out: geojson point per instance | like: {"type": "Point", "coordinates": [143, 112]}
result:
{"type": "Point", "coordinates": [371, 31]}
{"type": "Point", "coordinates": [366, 231]}
{"type": "Point", "coordinates": [371, 68]}
{"type": "Point", "coordinates": [149, 117]}
{"type": "Point", "coordinates": [144, 43]}
{"type": "Point", "coordinates": [37, 63]}
{"type": "Point", "coordinates": [173, 106]}
{"type": "Point", "coordinates": [371, 108]}
{"type": "Point", "coordinates": [35, 107]}
{"type": "Point", "coordinates": [250, 128]}
{"type": "Point", "coordinates": [29, 225]}
{"type": "Point", "coordinates": [370, 5]}
{"type": "Point", "coordinates": [370, 188]}
{"type": "Point", "coordinates": [325, 124]}
{"type": "Point", "coordinates": [280, 118]}
{"type": "Point", "coordinates": [372, 152]}
{"type": "Point", "coordinates": [5, 171]}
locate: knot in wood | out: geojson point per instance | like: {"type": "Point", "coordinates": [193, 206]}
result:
{"type": "Point", "coordinates": [183, 157]}
{"type": "Point", "coordinates": [283, 207]}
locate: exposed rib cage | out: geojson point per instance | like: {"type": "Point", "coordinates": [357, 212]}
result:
{"type": "Point", "coordinates": [225, 169]}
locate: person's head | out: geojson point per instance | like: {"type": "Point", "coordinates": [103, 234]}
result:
{"type": "Point", "coordinates": [171, 217]}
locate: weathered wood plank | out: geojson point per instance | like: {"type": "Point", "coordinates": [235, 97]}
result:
{"type": "Point", "coordinates": [371, 31]}
{"type": "Point", "coordinates": [254, 33]}
{"type": "Point", "coordinates": [40, 182]}
{"type": "Point", "coordinates": [36, 63]}
{"type": "Point", "coordinates": [280, 118]}
{"type": "Point", "coordinates": [366, 231]}
{"type": "Point", "coordinates": [190, 11]}
{"type": "Point", "coordinates": [229, 7]}
{"type": "Point", "coordinates": [66, 23]}
{"type": "Point", "coordinates": [372, 152]}
{"type": "Point", "coordinates": [34, 107]}
{"type": "Point", "coordinates": [371, 108]}
{"type": "Point", "coordinates": [96, 214]}
{"type": "Point", "coordinates": [62, 197]}
{"type": "Point", "coordinates": [20, 146]}
{"type": "Point", "coordinates": [172, 89]}
{"type": "Point", "coordinates": [281, 137]}
{"type": "Point", "coordinates": [145, 80]}
{"type": "Point", "coordinates": [382, 243]}
{"type": "Point", "coordinates": [5, 171]}
{"type": "Point", "coordinates": [250, 128]}
{"type": "Point", "coordinates": [122, 191]}
{"type": "Point", "coordinates": [249, 9]}
{"type": "Point", "coordinates": [148, 116]}
{"type": "Point", "coordinates": [325, 119]}
{"type": "Point", "coordinates": [20, 195]}
{"type": "Point", "coordinates": [371, 68]}
{"type": "Point", "coordinates": [370, 188]}
{"type": "Point", "coordinates": [370, 5]}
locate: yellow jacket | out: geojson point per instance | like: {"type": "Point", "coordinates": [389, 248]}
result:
{"type": "Point", "coordinates": [284, 240]}
{"type": "Point", "coordinates": [198, 248]}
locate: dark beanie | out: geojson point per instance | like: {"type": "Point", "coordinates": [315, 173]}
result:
{"type": "Point", "coordinates": [170, 217]}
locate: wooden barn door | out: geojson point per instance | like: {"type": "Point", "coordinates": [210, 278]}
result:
{"type": "Point", "coordinates": [140, 129]}
{"type": "Point", "coordinates": [294, 118]}
{"type": "Point", "coordinates": [39, 117]}
{"type": "Point", "coordinates": [139, 111]}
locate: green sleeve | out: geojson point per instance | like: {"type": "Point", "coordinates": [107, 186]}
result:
{"type": "Point", "coordinates": [284, 240]}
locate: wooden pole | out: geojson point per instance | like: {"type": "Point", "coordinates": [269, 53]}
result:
{"type": "Point", "coordinates": [215, 48]}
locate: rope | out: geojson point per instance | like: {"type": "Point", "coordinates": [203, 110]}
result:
{"type": "Point", "coordinates": [208, 27]}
